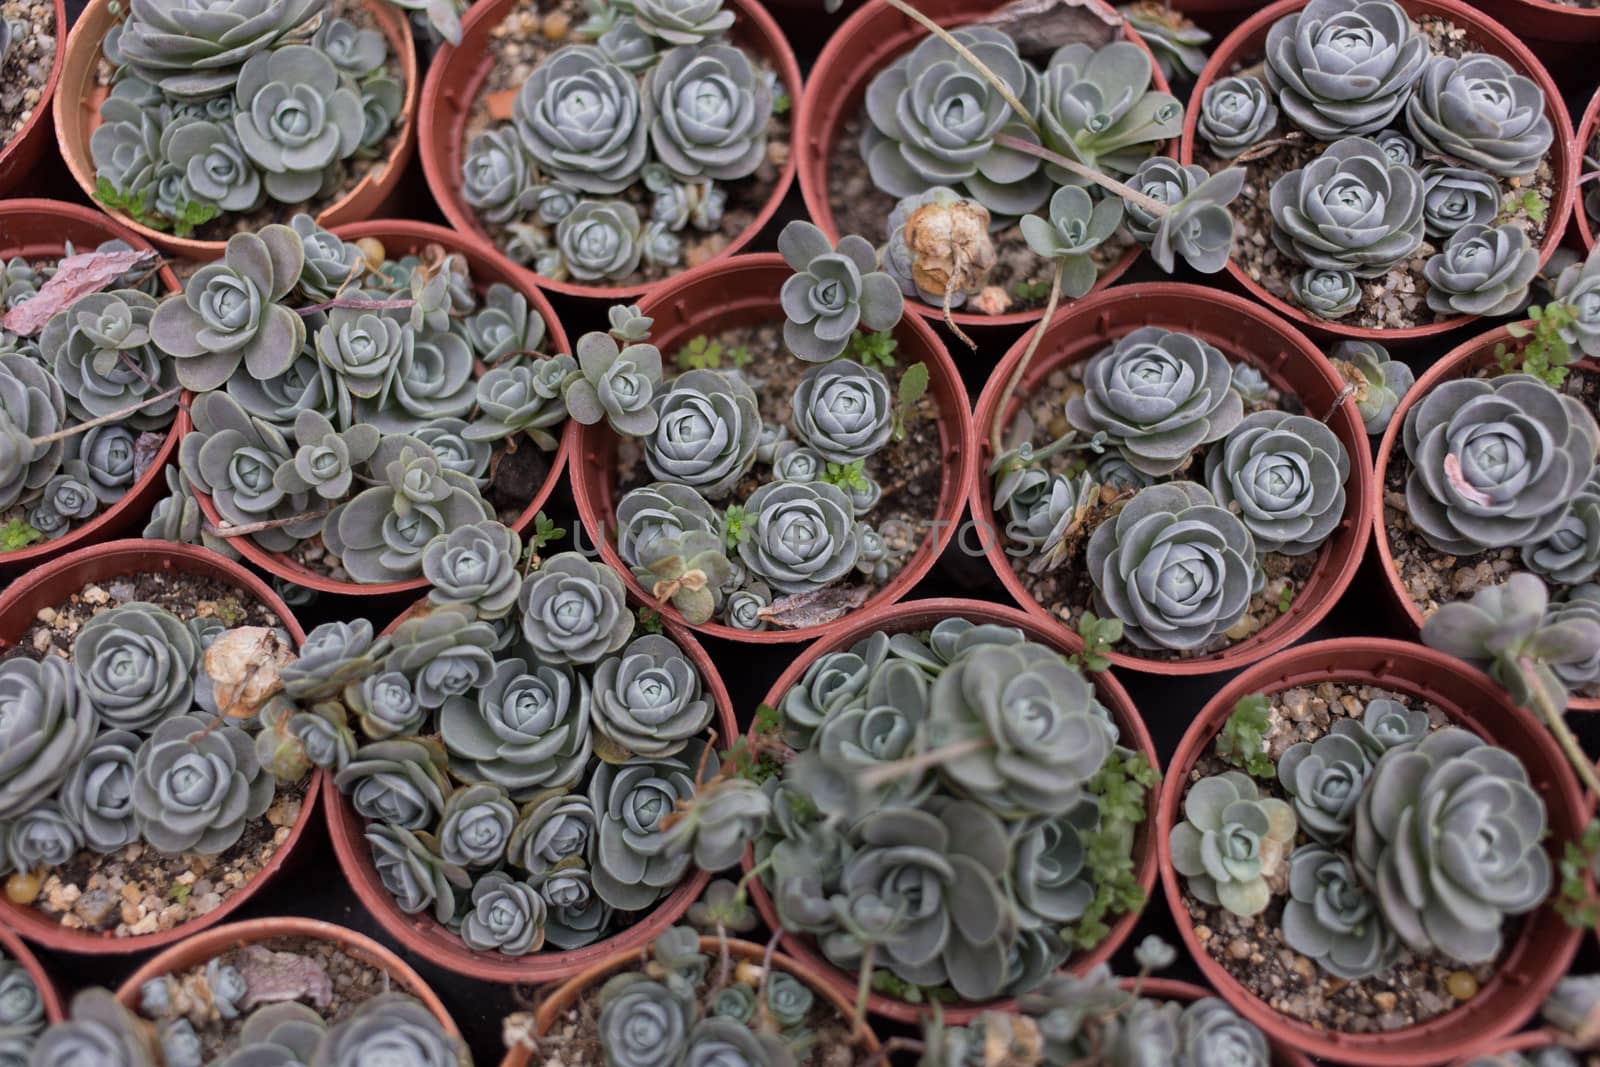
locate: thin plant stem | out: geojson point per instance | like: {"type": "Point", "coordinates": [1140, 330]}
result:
{"type": "Point", "coordinates": [230, 530]}
{"type": "Point", "coordinates": [949, 319]}
{"type": "Point", "coordinates": [1072, 166]}
{"type": "Point", "coordinates": [115, 416]}
{"type": "Point", "coordinates": [397, 304]}
{"type": "Point", "coordinates": [885, 773]}
{"type": "Point", "coordinates": [864, 986]}
{"type": "Point", "coordinates": [966, 53]}
{"type": "Point", "coordinates": [143, 377]}
{"type": "Point", "coordinates": [1547, 710]}
{"type": "Point", "coordinates": [997, 430]}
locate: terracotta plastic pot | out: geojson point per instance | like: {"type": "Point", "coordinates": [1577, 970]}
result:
{"type": "Point", "coordinates": [1580, 148]}
{"type": "Point", "coordinates": [1562, 35]}
{"type": "Point", "coordinates": [741, 292]}
{"type": "Point", "coordinates": [14, 948]}
{"type": "Point", "coordinates": [422, 935]}
{"type": "Point", "coordinates": [1459, 362]}
{"type": "Point", "coordinates": [77, 116]}
{"type": "Point", "coordinates": [403, 237]}
{"type": "Point", "coordinates": [200, 949]}
{"type": "Point", "coordinates": [456, 80]}
{"type": "Point", "coordinates": [1241, 330]}
{"type": "Point", "coordinates": [922, 615]}
{"type": "Point", "coordinates": [864, 44]}
{"type": "Point", "coordinates": [1246, 44]}
{"type": "Point", "coordinates": [22, 153]}
{"type": "Point", "coordinates": [1544, 944]}
{"type": "Point", "coordinates": [566, 996]}
{"type": "Point", "coordinates": [41, 228]}
{"type": "Point", "coordinates": [48, 585]}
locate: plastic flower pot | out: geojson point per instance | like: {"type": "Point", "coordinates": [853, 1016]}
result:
{"type": "Point", "coordinates": [1244, 47]}
{"type": "Point", "coordinates": [741, 292]}
{"type": "Point", "coordinates": [48, 585]}
{"type": "Point", "coordinates": [456, 79]}
{"type": "Point", "coordinates": [567, 995]}
{"type": "Point", "coordinates": [1561, 34]}
{"type": "Point", "coordinates": [1586, 134]}
{"type": "Point", "coordinates": [1543, 944]}
{"type": "Point", "coordinates": [200, 949]}
{"type": "Point", "coordinates": [864, 44]}
{"type": "Point", "coordinates": [77, 116]}
{"type": "Point", "coordinates": [15, 949]}
{"type": "Point", "coordinates": [1468, 358]}
{"type": "Point", "coordinates": [22, 153]}
{"type": "Point", "coordinates": [922, 615]}
{"type": "Point", "coordinates": [426, 937]}
{"type": "Point", "coordinates": [40, 229]}
{"type": "Point", "coordinates": [1241, 330]}
{"type": "Point", "coordinates": [402, 237]}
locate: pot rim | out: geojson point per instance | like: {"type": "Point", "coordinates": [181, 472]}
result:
{"type": "Point", "coordinates": [33, 129]}
{"type": "Point", "coordinates": [17, 950]}
{"type": "Point", "coordinates": [1587, 129]}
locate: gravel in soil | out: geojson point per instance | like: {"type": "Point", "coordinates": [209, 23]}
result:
{"type": "Point", "coordinates": [1413, 990]}
{"type": "Point", "coordinates": [529, 33]}
{"type": "Point", "coordinates": [1397, 299]}
{"type": "Point", "coordinates": [574, 1039]}
{"type": "Point", "coordinates": [27, 64]}
{"type": "Point", "coordinates": [311, 971]}
{"type": "Point", "coordinates": [909, 471]}
{"type": "Point", "coordinates": [137, 890]}
{"type": "Point", "coordinates": [1068, 591]}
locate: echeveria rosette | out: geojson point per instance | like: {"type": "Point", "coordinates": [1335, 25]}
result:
{"type": "Point", "coordinates": [615, 383]}
{"type": "Point", "coordinates": [32, 405]}
{"type": "Point", "coordinates": [1581, 603]}
{"type": "Point", "coordinates": [1075, 226]}
{"type": "Point", "coordinates": [331, 262]}
{"type": "Point", "coordinates": [647, 699]}
{"type": "Point", "coordinates": [1324, 779]}
{"type": "Point", "coordinates": [385, 705]}
{"type": "Point", "coordinates": [296, 118]}
{"type": "Point", "coordinates": [1380, 381]}
{"type": "Point", "coordinates": [333, 655]}
{"type": "Point", "coordinates": [326, 460]}
{"type": "Point", "coordinates": [1043, 508]}
{"type": "Point", "coordinates": [390, 1028]}
{"type": "Point", "coordinates": [445, 650]}
{"type": "Point", "coordinates": [234, 458]}
{"type": "Point", "coordinates": [1449, 834]}
{"type": "Point", "coordinates": [504, 328]}
{"type": "Point", "coordinates": [1350, 209]}
{"type": "Point", "coordinates": [106, 459]}
{"type": "Point", "coordinates": [1344, 66]}
{"type": "Point", "coordinates": [42, 838]}
{"type": "Point", "coordinates": [1333, 918]}
{"type": "Point", "coordinates": [1230, 842]}
{"type": "Point", "coordinates": [886, 723]}
{"type": "Point", "coordinates": [433, 379]}
{"type": "Point", "coordinates": [100, 350]}
{"type": "Point", "coordinates": [1050, 873]}
{"type": "Point", "coordinates": [136, 664]}
{"type": "Point", "coordinates": [98, 793]}
{"type": "Point", "coordinates": [708, 426]}
{"type": "Point", "coordinates": [934, 120]}
{"type": "Point", "coordinates": [1284, 476]}
{"type": "Point", "coordinates": [574, 915]}
{"type": "Point", "coordinates": [574, 611]}
{"type": "Point", "coordinates": [206, 164]}
{"type": "Point", "coordinates": [600, 240]}
{"type": "Point", "coordinates": [725, 818]}
{"type": "Point", "coordinates": [195, 791]}
{"type": "Point", "coordinates": [553, 831]}
{"type": "Point", "coordinates": [504, 915]}
{"type": "Point", "coordinates": [409, 867]}
{"type": "Point", "coordinates": [230, 312]}
{"type": "Point", "coordinates": [522, 398]}
{"type": "Point", "coordinates": [362, 349]}
{"type": "Point", "coordinates": [398, 782]}
{"type": "Point", "coordinates": [582, 120]}
{"type": "Point", "coordinates": [1454, 197]}
{"type": "Point", "coordinates": [1096, 106]}
{"type": "Point", "coordinates": [643, 1021]}
{"type": "Point", "coordinates": [1570, 555]}
{"type": "Point", "coordinates": [660, 511]}
{"type": "Point", "coordinates": [1174, 566]}
{"type": "Point", "coordinates": [193, 51]}
{"type": "Point", "coordinates": [526, 729]}
{"type": "Point", "coordinates": [1327, 294]}
{"type": "Point", "coordinates": [475, 826]}
{"type": "Point", "coordinates": [1045, 733]}
{"type": "Point", "coordinates": [1157, 395]}
{"type": "Point", "coordinates": [494, 176]}
{"type": "Point", "coordinates": [1236, 113]}
{"type": "Point", "coordinates": [1482, 270]}
{"type": "Point", "coordinates": [843, 411]}
{"type": "Point", "coordinates": [803, 536]}
{"type": "Point", "coordinates": [1495, 461]}
{"type": "Point", "coordinates": [101, 1032]}
{"type": "Point", "coordinates": [709, 112]}
{"type": "Point", "coordinates": [631, 802]}
{"type": "Point", "coordinates": [689, 571]}
{"type": "Point", "coordinates": [1477, 109]}
{"type": "Point", "coordinates": [475, 565]}
{"type": "Point", "coordinates": [833, 291]}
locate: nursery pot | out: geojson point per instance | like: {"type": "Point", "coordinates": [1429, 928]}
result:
{"type": "Point", "coordinates": [14, 948]}
{"type": "Point", "coordinates": [422, 935]}
{"type": "Point", "coordinates": [1245, 44]}
{"type": "Point", "coordinates": [1561, 34]}
{"type": "Point", "coordinates": [863, 45]}
{"type": "Point", "coordinates": [1460, 362]}
{"type": "Point", "coordinates": [200, 949]}
{"type": "Point", "coordinates": [48, 585]}
{"type": "Point", "coordinates": [41, 228]}
{"type": "Point", "coordinates": [1544, 944]}
{"type": "Point", "coordinates": [1586, 134]}
{"type": "Point", "coordinates": [567, 995]}
{"type": "Point", "coordinates": [23, 152]}
{"type": "Point", "coordinates": [922, 615]}
{"type": "Point", "coordinates": [1240, 329]}
{"type": "Point", "coordinates": [744, 292]}
{"type": "Point", "coordinates": [77, 116]}
{"type": "Point", "coordinates": [456, 79]}
{"type": "Point", "coordinates": [403, 237]}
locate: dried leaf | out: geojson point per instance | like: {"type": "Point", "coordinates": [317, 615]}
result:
{"type": "Point", "coordinates": [499, 105]}
{"type": "Point", "coordinates": [274, 977]}
{"type": "Point", "coordinates": [243, 665]}
{"type": "Point", "coordinates": [75, 276]}
{"type": "Point", "coordinates": [1042, 26]}
{"type": "Point", "coordinates": [814, 608]}
{"type": "Point", "coordinates": [146, 447]}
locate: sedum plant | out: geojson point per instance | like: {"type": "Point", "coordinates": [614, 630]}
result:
{"type": "Point", "coordinates": [1380, 381]}
{"type": "Point", "coordinates": [1097, 107]}
{"type": "Point", "coordinates": [1482, 271]}
{"type": "Point", "coordinates": [1333, 918]}
{"type": "Point", "coordinates": [1284, 475]}
{"type": "Point", "coordinates": [832, 292]}
{"type": "Point", "coordinates": [1236, 113]}
{"type": "Point", "coordinates": [1351, 209]}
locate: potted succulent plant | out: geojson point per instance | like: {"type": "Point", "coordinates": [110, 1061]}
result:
{"type": "Point", "coordinates": [900, 713]}
{"type": "Point", "coordinates": [144, 799]}
{"type": "Point", "coordinates": [1386, 199]}
{"type": "Point", "coordinates": [1310, 851]}
{"type": "Point", "coordinates": [387, 388]}
{"type": "Point", "coordinates": [688, 995]}
{"type": "Point", "coordinates": [524, 738]}
{"type": "Point", "coordinates": [189, 126]}
{"type": "Point", "coordinates": [881, 152]}
{"type": "Point", "coordinates": [1168, 399]}
{"type": "Point", "coordinates": [281, 990]}
{"type": "Point", "coordinates": [30, 65]}
{"type": "Point", "coordinates": [608, 154]}
{"type": "Point", "coordinates": [802, 459]}
{"type": "Point", "coordinates": [88, 442]}
{"type": "Point", "coordinates": [28, 1000]}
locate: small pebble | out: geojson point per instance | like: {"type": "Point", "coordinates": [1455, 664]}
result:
{"type": "Point", "coordinates": [1462, 985]}
{"type": "Point", "coordinates": [23, 887]}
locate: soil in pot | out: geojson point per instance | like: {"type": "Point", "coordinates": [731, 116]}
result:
{"type": "Point", "coordinates": [136, 890]}
{"type": "Point", "coordinates": [28, 59]}
{"type": "Point", "coordinates": [1252, 949]}
{"type": "Point", "coordinates": [529, 33]}
{"type": "Point", "coordinates": [1397, 299]}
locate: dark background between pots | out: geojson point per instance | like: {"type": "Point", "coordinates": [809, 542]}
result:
{"type": "Point", "coordinates": [312, 885]}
